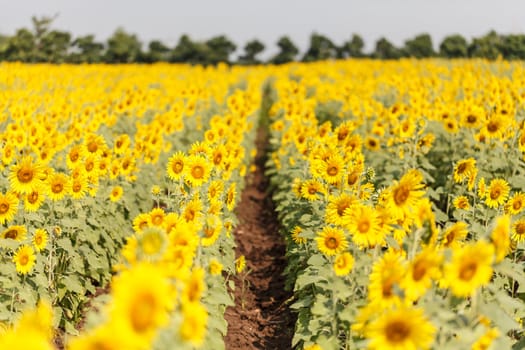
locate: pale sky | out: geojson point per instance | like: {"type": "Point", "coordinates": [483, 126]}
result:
{"type": "Point", "coordinates": [267, 20]}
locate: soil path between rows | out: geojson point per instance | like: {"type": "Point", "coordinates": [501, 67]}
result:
{"type": "Point", "coordinates": [261, 318]}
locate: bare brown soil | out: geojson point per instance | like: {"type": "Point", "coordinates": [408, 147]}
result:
{"type": "Point", "coordinates": [261, 318]}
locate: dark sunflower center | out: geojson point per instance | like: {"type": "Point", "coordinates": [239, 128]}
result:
{"type": "Point", "coordinates": [495, 193]}
{"type": "Point", "coordinates": [401, 195]}
{"type": "Point", "coordinates": [397, 331]}
{"type": "Point", "coordinates": [12, 234]}
{"type": "Point", "coordinates": [197, 172]}
{"type": "Point", "coordinates": [461, 168]}
{"type": "Point", "coordinates": [467, 271]}
{"type": "Point", "coordinates": [24, 259]}
{"type": "Point", "coordinates": [363, 226]}
{"type": "Point", "coordinates": [332, 170]}
{"type": "Point", "coordinates": [142, 313]}
{"type": "Point", "coordinates": [177, 167]}
{"type": "Point", "coordinates": [331, 243]}
{"type": "Point", "coordinates": [492, 126]}
{"type": "Point", "coordinates": [25, 175]}
{"type": "Point", "coordinates": [4, 208]}
{"type": "Point", "coordinates": [419, 270]}
{"type": "Point", "coordinates": [57, 188]}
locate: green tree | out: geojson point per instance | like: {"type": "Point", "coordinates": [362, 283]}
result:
{"type": "Point", "coordinates": [386, 50]}
{"type": "Point", "coordinates": [352, 48]}
{"type": "Point", "coordinates": [287, 51]}
{"type": "Point", "coordinates": [188, 51]}
{"type": "Point", "coordinates": [219, 49]}
{"type": "Point", "coordinates": [54, 46]}
{"type": "Point", "coordinates": [321, 48]}
{"type": "Point", "coordinates": [86, 50]}
{"type": "Point", "coordinates": [487, 46]}
{"type": "Point", "coordinates": [251, 49]}
{"type": "Point", "coordinates": [512, 47]}
{"type": "Point", "coordinates": [419, 47]}
{"type": "Point", "coordinates": [454, 46]}
{"type": "Point", "coordinates": [19, 47]}
{"type": "Point", "coordinates": [157, 52]}
{"type": "Point", "coordinates": [123, 47]}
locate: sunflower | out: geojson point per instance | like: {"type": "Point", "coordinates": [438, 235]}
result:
{"type": "Point", "coordinates": [497, 193]}
{"type": "Point", "coordinates": [311, 188]}
{"type": "Point", "coordinates": [215, 267]}
{"type": "Point", "coordinates": [336, 207]}
{"type": "Point", "coordinates": [108, 336]}
{"type": "Point", "coordinates": [151, 243]}
{"type": "Point", "coordinates": [116, 193]}
{"type": "Point", "coordinates": [140, 222]}
{"type": "Point", "coordinates": [470, 268]}
{"type": "Point", "coordinates": [215, 189]}
{"type": "Point", "coordinates": [455, 234]}
{"type": "Point", "coordinates": [482, 188]}
{"type": "Point", "coordinates": [175, 168]}
{"type": "Point", "coordinates": [331, 241]}
{"type": "Point", "coordinates": [515, 204]}
{"type": "Point", "coordinates": [79, 187]}
{"type": "Point", "coordinates": [91, 165]}
{"type": "Point", "coordinates": [193, 210]}
{"type": "Point", "coordinates": [401, 328]}
{"type": "Point", "coordinates": [57, 186]}
{"type": "Point", "coordinates": [473, 117]}
{"type": "Point", "coordinates": [211, 231]}
{"type": "Point", "coordinates": [296, 235]}
{"type": "Point", "coordinates": [343, 264]}
{"type": "Point", "coordinates": [200, 148]}
{"type": "Point", "coordinates": [500, 237]}
{"type": "Point", "coordinates": [451, 125]}
{"type": "Point", "coordinates": [218, 156]}
{"type": "Point", "coordinates": [331, 170]}
{"type": "Point", "coordinates": [372, 143]}
{"type": "Point", "coordinates": [141, 300]}
{"type": "Point", "coordinates": [40, 239]}
{"type": "Point", "coordinates": [74, 156]}
{"type": "Point", "coordinates": [387, 274]}
{"type": "Point", "coordinates": [157, 216]}
{"type": "Point", "coordinates": [240, 264]}
{"type": "Point", "coordinates": [404, 195]}
{"type": "Point", "coordinates": [24, 259]}
{"type": "Point", "coordinates": [15, 232]}
{"type": "Point", "coordinates": [485, 341]}
{"type": "Point", "coordinates": [231, 196]}
{"type": "Point", "coordinates": [25, 176]}
{"type": "Point", "coordinates": [8, 207]}
{"type": "Point", "coordinates": [518, 231]}
{"type": "Point", "coordinates": [464, 169]}
{"type": "Point", "coordinates": [94, 144]}
{"type": "Point", "coordinates": [33, 200]}
{"type": "Point", "coordinates": [122, 143]}
{"type": "Point", "coordinates": [194, 323]}
{"type": "Point", "coordinates": [495, 127]}
{"type": "Point", "coordinates": [461, 202]}
{"type": "Point", "coordinates": [364, 224]}
{"type": "Point", "coordinates": [422, 270]}
{"type": "Point", "coordinates": [197, 170]}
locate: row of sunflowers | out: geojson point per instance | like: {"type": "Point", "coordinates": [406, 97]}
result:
{"type": "Point", "coordinates": [116, 203]}
{"type": "Point", "coordinates": [399, 187]}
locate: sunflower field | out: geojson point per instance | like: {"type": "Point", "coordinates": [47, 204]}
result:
{"type": "Point", "coordinates": [399, 187]}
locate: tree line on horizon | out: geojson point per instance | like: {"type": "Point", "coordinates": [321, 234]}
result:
{"type": "Point", "coordinates": [41, 43]}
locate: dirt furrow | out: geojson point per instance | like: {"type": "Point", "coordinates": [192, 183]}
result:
{"type": "Point", "coordinates": [261, 318]}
